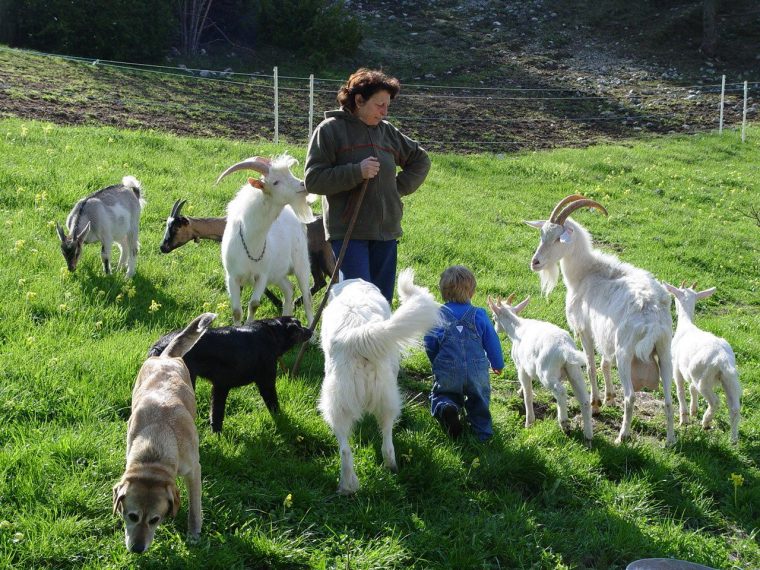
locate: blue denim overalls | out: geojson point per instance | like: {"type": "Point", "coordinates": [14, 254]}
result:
{"type": "Point", "coordinates": [460, 372]}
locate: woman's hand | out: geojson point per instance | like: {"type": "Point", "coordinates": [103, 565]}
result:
{"type": "Point", "coordinates": [370, 167]}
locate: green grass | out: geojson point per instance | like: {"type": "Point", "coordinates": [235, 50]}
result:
{"type": "Point", "coordinates": [71, 344]}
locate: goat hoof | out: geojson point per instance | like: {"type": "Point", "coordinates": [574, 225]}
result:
{"type": "Point", "coordinates": [348, 488]}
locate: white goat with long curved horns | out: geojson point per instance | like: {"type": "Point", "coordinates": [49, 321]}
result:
{"type": "Point", "coordinates": [704, 360]}
{"type": "Point", "coordinates": [265, 238]}
{"type": "Point", "coordinates": [619, 308]}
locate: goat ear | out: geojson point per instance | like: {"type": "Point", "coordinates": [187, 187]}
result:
{"type": "Point", "coordinates": [566, 235]}
{"type": "Point", "coordinates": [671, 289]}
{"type": "Point", "coordinates": [705, 293]}
{"type": "Point", "coordinates": [311, 198]}
{"type": "Point", "coordinates": [84, 232]}
{"type": "Point", "coordinates": [59, 230]}
{"type": "Point", "coordinates": [535, 223]}
{"type": "Point", "coordinates": [519, 307]}
{"type": "Point", "coordinates": [256, 183]}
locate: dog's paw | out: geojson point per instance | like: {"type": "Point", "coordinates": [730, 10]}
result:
{"type": "Point", "coordinates": [193, 537]}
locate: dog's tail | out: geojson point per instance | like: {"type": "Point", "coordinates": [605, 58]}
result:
{"type": "Point", "coordinates": [185, 340]}
{"type": "Point", "coordinates": [418, 313]}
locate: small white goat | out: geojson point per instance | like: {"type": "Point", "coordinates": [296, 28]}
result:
{"type": "Point", "coordinates": [703, 359]}
{"type": "Point", "coordinates": [620, 308]}
{"type": "Point", "coordinates": [264, 239]}
{"type": "Point", "coordinates": [544, 351]}
{"type": "Point", "coordinates": [109, 215]}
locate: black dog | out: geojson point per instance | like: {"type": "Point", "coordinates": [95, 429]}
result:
{"type": "Point", "coordinates": [235, 356]}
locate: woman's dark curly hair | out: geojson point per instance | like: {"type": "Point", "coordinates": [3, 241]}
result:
{"type": "Point", "coordinates": [366, 82]}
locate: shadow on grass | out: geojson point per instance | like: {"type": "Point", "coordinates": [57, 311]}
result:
{"type": "Point", "coordinates": [138, 308]}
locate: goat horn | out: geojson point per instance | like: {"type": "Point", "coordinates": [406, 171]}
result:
{"type": "Point", "coordinates": [586, 202]}
{"type": "Point", "coordinates": [562, 203]}
{"type": "Point", "coordinates": [256, 163]}
{"type": "Point", "coordinates": [694, 285]}
{"type": "Point", "coordinates": [510, 298]}
{"type": "Point", "coordinates": [60, 231]}
{"type": "Point", "coordinates": [683, 284]}
{"type": "Point", "coordinates": [176, 208]}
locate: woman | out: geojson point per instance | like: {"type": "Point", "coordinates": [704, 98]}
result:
{"type": "Point", "coordinates": [355, 143]}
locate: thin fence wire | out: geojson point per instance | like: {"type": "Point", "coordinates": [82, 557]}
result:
{"type": "Point", "coordinates": [446, 117]}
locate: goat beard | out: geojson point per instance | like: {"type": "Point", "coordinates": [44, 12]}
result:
{"type": "Point", "coordinates": [549, 278]}
{"type": "Point", "coordinates": [302, 210]}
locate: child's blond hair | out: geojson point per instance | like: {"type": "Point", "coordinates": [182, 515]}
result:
{"type": "Point", "coordinates": [457, 284]}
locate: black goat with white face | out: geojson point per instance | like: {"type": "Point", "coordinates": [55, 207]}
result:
{"type": "Point", "coordinates": [109, 215]}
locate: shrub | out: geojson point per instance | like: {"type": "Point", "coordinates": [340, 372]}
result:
{"type": "Point", "coordinates": [129, 30]}
{"type": "Point", "coordinates": [318, 29]}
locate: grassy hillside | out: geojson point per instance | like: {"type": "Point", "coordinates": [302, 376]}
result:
{"type": "Point", "coordinates": [71, 345]}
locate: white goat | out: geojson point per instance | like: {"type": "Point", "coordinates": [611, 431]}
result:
{"type": "Point", "coordinates": [619, 308]}
{"type": "Point", "coordinates": [703, 359]}
{"type": "Point", "coordinates": [544, 351]}
{"type": "Point", "coordinates": [109, 215]}
{"type": "Point", "coordinates": [264, 239]}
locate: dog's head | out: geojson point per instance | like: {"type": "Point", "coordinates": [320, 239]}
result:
{"type": "Point", "coordinates": [289, 332]}
{"type": "Point", "coordinates": [144, 504]}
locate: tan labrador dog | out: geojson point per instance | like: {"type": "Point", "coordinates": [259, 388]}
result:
{"type": "Point", "coordinates": [162, 443]}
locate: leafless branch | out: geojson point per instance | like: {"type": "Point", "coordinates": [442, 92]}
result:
{"type": "Point", "coordinates": [752, 214]}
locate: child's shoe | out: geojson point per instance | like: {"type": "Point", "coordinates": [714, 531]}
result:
{"type": "Point", "coordinates": [450, 421]}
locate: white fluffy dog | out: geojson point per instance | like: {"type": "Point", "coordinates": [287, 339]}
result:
{"type": "Point", "coordinates": [362, 343]}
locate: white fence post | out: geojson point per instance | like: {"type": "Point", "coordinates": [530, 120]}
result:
{"type": "Point", "coordinates": [311, 104]}
{"type": "Point", "coordinates": [276, 108]}
{"type": "Point", "coordinates": [744, 114]}
{"type": "Point", "coordinates": [722, 99]}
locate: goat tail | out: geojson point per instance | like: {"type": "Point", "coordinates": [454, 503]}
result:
{"type": "Point", "coordinates": [185, 340]}
{"type": "Point", "coordinates": [576, 357]}
{"type": "Point", "coordinates": [729, 375]}
{"type": "Point", "coordinates": [134, 184]}
{"type": "Point", "coordinates": [418, 313]}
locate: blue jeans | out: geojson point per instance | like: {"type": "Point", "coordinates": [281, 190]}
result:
{"type": "Point", "coordinates": [460, 373]}
{"type": "Point", "coordinates": [371, 260]}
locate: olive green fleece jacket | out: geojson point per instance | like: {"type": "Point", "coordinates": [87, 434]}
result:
{"type": "Point", "coordinates": [333, 170]}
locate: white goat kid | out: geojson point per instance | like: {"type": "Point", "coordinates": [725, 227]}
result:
{"type": "Point", "coordinates": [544, 351]}
{"type": "Point", "coordinates": [619, 308]}
{"type": "Point", "coordinates": [109, 215]}
{"type": "Point", "coordinates": [704, 360]}
{"type": "Point", "coordinates": [264, 238]}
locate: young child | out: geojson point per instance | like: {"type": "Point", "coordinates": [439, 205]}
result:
{"type": "Point", "coordinates": [460, 351]}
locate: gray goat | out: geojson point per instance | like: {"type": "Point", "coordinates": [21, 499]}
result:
{"type": "Point", "coordinates": [109, 215]}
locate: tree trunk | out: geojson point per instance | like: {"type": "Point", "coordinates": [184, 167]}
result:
{"type": "Point", "coordinates": [709, 45]}
{"type": "Point", "coordinates": [192, 21]}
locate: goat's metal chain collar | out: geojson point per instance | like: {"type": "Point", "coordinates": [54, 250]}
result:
{"type": "Point", "coordinates": [245, 247]}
